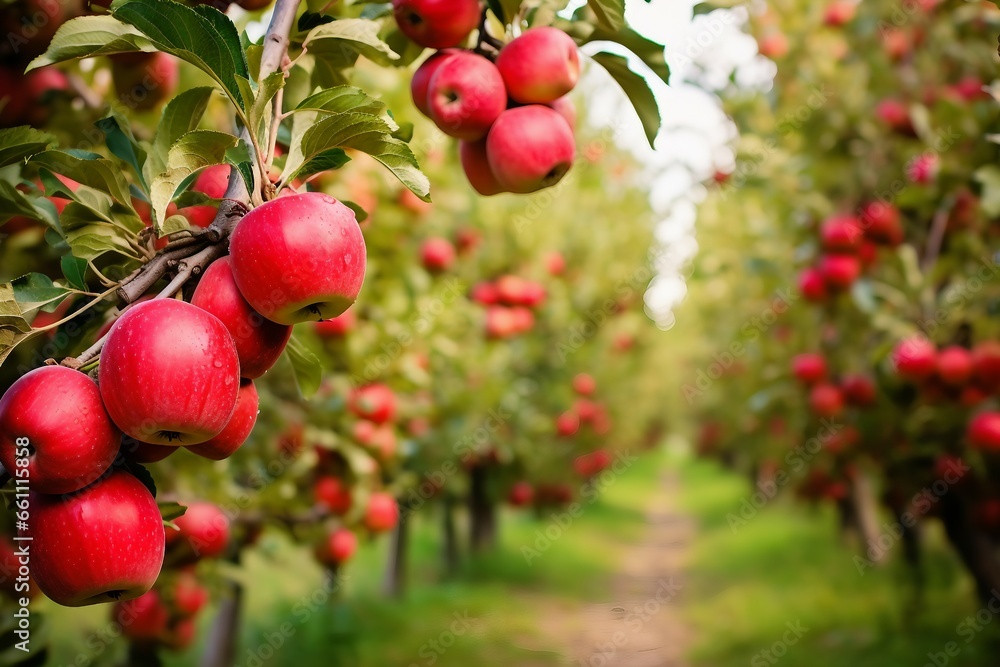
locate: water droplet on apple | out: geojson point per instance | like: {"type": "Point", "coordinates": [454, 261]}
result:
{"type": "Point", "coordinates": [217, 363]}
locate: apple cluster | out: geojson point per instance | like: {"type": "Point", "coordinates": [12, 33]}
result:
{"type": "Point", "coordinates": [166, 615]}
{"type": "Point", "coordinates": [828, 397]}
{"type": "Point", "coordinates": [508, 109]}
{"type": "Point", "coordinates": [510, 301]}
{"type": "Point", "coordinates": [585, 411]}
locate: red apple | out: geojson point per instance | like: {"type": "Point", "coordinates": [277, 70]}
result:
{"type": "Point", "coordinates": [374, 402]}
{"type": "Point", "coordinates": [954, 365]}
{"type": "Point", "coordinates": [567, 424]}
{"type": "Point", "coordinates": [809, 368]}
{"type": "Point", "coordinates": [485, 294]}
{"type": "Point", "coordinates": [923, 169]}
{"type": "Point", "coordinates": [143, 452]}
{"type": "Point", "coordinates": [564, 107]}
{"type": "Point", "coordinates": [299, 258]}
{"type": "Point", "coordinates": [101, 544]}
{"type": "Point", "coordinates": [143, 619]}
{"type": "Point", "coordinates": [202, 532]}
{"type": "Point", "coordinates": [826, 400]}
{"type": "Point", "coordinates": [812, 285]}
{"type": "Point", "coordinates": [476, 165]}
{"type": "Point", "coordinates": [986, 363]}
{"type": "Point", "coordinates": [773, 45]}
{"type": "Point", "coordinates": [339, 546]}
{"type": "Point", "coordinates": [169, 373]}
{"type": "Point", "coordinates": [881, 223]}
{"type": "Point", "coordinates": [984, 431]}
{"type": "Point", "coordinates": [144, 80]}
{"type": "Point", "coordinates": [896, 115]}
{"type": "Point", "coordinates": [420, 83]}
{"type": "Point", "coordinates": [237, 430]}
{"type": "Point", "coordinates": [838, 13]}
{"type": "Point", "coordinates": [180, 635]}
{"type": "Point", "coordinates": [584, 384]}
{"type": "Point", "coordinates": [530, 148]}
{"type": "Point", "coordinates": [213, 182]}
{"type": "Point", "coordinates": [501, 322]}
{"type": "Point", "coordinates": [259, 342]}
{"type": "Point", "coordinates": [841, 233]}
{"type": "Point", "coordinates": [382, 512]}
{"type": "Point", "coordinates": [522, 318]}
{"type": "Point", "coordinates": [915, 358]}
{"type": "Point", "coordinates": [189, 596]}
{"type": "Point", "coordinates": [511, 289]}
{"type": "Point", "coordinates": [521, 494]}
{"type": "Point", "coordinates": [555, 263]}
{"type": "Point", "coordinates": [68, 438]}
{"type": "Point", "coordinates": [859, 390]}
{"type": "Point", "coordinates": [466, 95]}
{"type": "Point", "coordinates": [332, 493]}
{"type": "Point", "coordinates": [338, 326]}
{"type": "Point", "coordinates": [839, 271]}
{"type": "Point", "coordinates": [437, 254]}
{"type": "Point", "coordinates": [539, 66]}
{"type": "Point", "coordinates": [437, 24]}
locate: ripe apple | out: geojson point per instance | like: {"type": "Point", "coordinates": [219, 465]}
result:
{"type": "Point", "coordinates": [521, 494]}
{"type": "Point", "coordinates": [29, 25]}
{"type": "Point", "coordinates": [180, 634]}
{"type": "Point", "coordinates": [437, 254]}
{"type": "Point", "coordinates": [915, 358]}
{"type": "Point", "coordinates": [567, 424]}
{"type": "Point", "coordinates": [841, 233]}
{"type": "Point", "coordinates": [774, 45]}
{"type": "Point", "coordinates": [332, 493]}
{"type": "Point", "coordinates": [923, 169]}
{"type": "Point", "coordinates": [530, 148]}
{"type": "Point", "coordinates": [143, 619]}
{"type": "Point", "coordinates": [189, 596]}
{"type": "Point", "coordinates": [986, 363]}
{"type": "Point", "coordinates": [437, 24]}
{"type": "Point", "coordinates": [169, 373]}
{"type": "Point", "coordinates": [839, 271]}
{"type": "Point", "coordinates": [564, 107]}
{"type": "Point", "coordinates": [382, 512]}
{"type": "Point", "coordinates": [881, 223]}
{"type": "Point", "coordinates": [522, 318]}
{"type": "Point", "coordinates": [338, 326]}
{"type": "Point", "coordinates": [466, 95]}
{"type": "Point", "coordinates": [339, 546]}
{"type": "Point", "coordinates": [467, 239]}
{"type": "Point", "coordinates": [859, 390]}
{"type": "Point", "coordinates": [555, 263]}
{"type": "Point", "coordinates": [420, 83]}
{"type": "Point", "coordinates": [896, 115]}
{"type": "Point", "coordinates": [202, 532]}
{"type": "Point", "coordinates": [374, 402]}
{"type": "Point", "coordinates": [259, 341]}
{"type": "Point", "coordinates": [71, 440]}
{"type": "Point", "coordinates": [809, 368]}
{"type": "Point", "coordinates": [101, 544]}
{"type": "Point", "coordinates": [839, 12]}
{"type": "Point", "coordinates": [144, 80]}
{"type": "Point", "coordinates": [972, 396]}
{"type": "Point", "coordinates": [143, 452]}
{"type": "Point", "coordinates": [511, 289]}
{"type": "Point", "coordinates": [826, 400]}
{"type": "Point", "coordinates": [476, 164]}
{"type": "Point", "coordinates": [954, 365]}
{"type": "Point", "coordinates": [237, 430]}
{"type": "Point", "coordinates": [533, 295]}
{"type": "Point", "coordinates": [485, 294]}
{"type": "Point", "coordinates": [539, 66]}
{"type": "Point", "coordinates": [501, 322]}
{"type": "Point", "coordinates": [384, 442]}
{"type": "Point", "coordinates": [984, 431]}
{"type": "Point", "coordinates": [213, 182]}
{"type": "Point", "coordinates": [299, 258]}
{"type": "Point", "coordinates": [584, 384]}
{"type": "Point", "coordinates": [812, 285]}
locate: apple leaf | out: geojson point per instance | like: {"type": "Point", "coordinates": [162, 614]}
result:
{"type": "Point", "coordinates": [35, 291]}
{"type": "Point", "coordinates": [170, 510]}
{"type": "Point", "coordinates": [88, 36]}
{"type": "Point", "coordinates": [14, 203]}
{"type": "Point", "coordinates": [140, 472]}
{"type": "Point", "coordinates": [610, 13]}
{"type": "Point", "coordinates": [339, 43]}
{"type": "Point", "coordinates": [14, 328]}
{"type": "Point", "coordinates": [122, 144]}
{"type": "Point", "coordinates": [260, 112]}
{"type": "Point", "coordinates": [307, 367]}
{"type": "Point", "coordinates": [505, 10]}
{"type": "Point", "coordinates": [989, 177]}
{"type": "Point", "coordinates": [75, 271]}
{"type": "Point", "coordinates": [181, 115]}
{"type": "Point", "coordinates": [637, 90]}
{"type": "Point", "coordinates": [18, 143]}
{"type": "Point", "coordinates": [650, 52]}
{"type": "Point", "coordinates": [96, 172]}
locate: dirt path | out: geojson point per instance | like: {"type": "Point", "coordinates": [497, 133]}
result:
{"type": "Point", "coordinates": [640, 625]}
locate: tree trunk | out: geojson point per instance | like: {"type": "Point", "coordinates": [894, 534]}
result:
{"type": "Point", "coordinates": [972, 546]}
{"type": "Point", "coordinates": [143, 655]}
{"type": "Point", "coordinates": [223, 642]}
{"type": "Point", "coordinates": [395, 576]}
{"type": "Point", "coordinates": [482, 512]}
{"type": "Point", "coordinates": [449, 552]}
{"type": "Point", "coordinates": [866, 517]}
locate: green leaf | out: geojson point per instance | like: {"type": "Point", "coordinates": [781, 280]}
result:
{"type": "Point", "coordinates": [340, 99]}
{"type": "Point", "coordinates": [88, 36]}
{"type": "Point", "coordinates": [260, 113]}
{"type": "Point", "coordinates": [330, 160]}
{"type": "Point", "coordinates": [181, 115]}
{"type": "Point", "coordinates": [18, 143]}
{"type": "Point", "coordinates": [610, 13]}
{"type": "Point", "coordinates": [14, 203]}
{"type": "Point", "coordinates": [505, 10]}
{"type": "Point", "coordinates": [170, 510]}
{"type": "Point", "coordinates": [651, 53]}
{"type": "Point", "coordinates": [239, 157]}
{"type": "Point", "coordinates": [192, 152]}
{"type": "Point", "coordinates": [202, 36]}
{"type": "Point", "coordinates": [14, 329]}
{"type": "Point", "coordinates": [307, 367]}
{"type": "Point", "coordinates": [988, 177]}
{"type": "Point", "coordinates": [101, 174]}
{"type": "Point", "coordinates": [339, 43]}
{"type": "Point", "coordinates": [123, 145]}
{"type": "Point", "coordinates": [36, 290]}
{"type": "Point", "coordinates": [75, 271]}
{"type": "Point", "coordinates": [637, 90]}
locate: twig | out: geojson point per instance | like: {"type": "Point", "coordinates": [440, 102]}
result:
{"type": "Point", "coordinates": [151, 273]}
{"type": "Point", "coordinates": [192, 266]}
{"type": "Point", "coordinates": [936, 237]}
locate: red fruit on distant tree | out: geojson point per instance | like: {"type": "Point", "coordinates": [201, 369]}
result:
{"type": "Point", "coordinates": [101, 544]}
{"type": "Point", "coordinates": [881, 223]}
{"type": "Point", "coordinates": [189, 596]}
{"type": "Point", "coordinates": [337, 327]}
{"type": "Point", "coordinates": [530, 148]}
{"type": "Point", "coordinates": [259, 342]}
{"type": "Point", "coordinates": [374, 402]}
{"type": "Point", "coordinates": [437, 24]}
{"type": "Point", "coordinates": [812, 285]}
{"type": "Point", "coordinates": [501, 322]}
{"type": "Point", "coordinates": [983, 431]}
{"type": "Point", "coordinates": [521, 494]}
{"type": "Point", "coordinates": [584, 384]}
{"type": "Point", "coordinates": [144, 80]}
{"type": "Point", "coordinates": [954, 365]}
{"type": "Point", "coordinates": [839, 271]}
{"type": "Point", "coordinates": [511, 289]}
{"type": "Point", "coordinates": [332, 493]}
{"type": "Point", "coordinates": [841, 233]}
{"type": "Point", "coordinates": [212, 182]}
{"type": "Point", "coordinates": [567, 424]}
{"type": "Point", "coordinates": [826, 400]}
{"type": "Point", "coordinates": [485, 294]}
{"type": "Point", "coordinates": [896, 115]}
{"type": "Point", "coordinates": [773, 45]}
{"type": "Point", "coordinates": [859, 390]}
{"type": "Point", "coordinates": [382, 512]}
{"type": "Point", "coordinates": [986, 364]}
{"type": "Point", "coordinates": [67, 439]}
{"type": "Point", "coordinates": [809, 368]}
{"type": "Point", "coordinates": [923, 169]}
{"type": "Point", "coordinates": [476, 164]}
{"type": "Point", "coordinates": [169, 373]}
{"type": "Point", "coordinates": [915, 358]}
{"type": "Point", "coordinates": [838, 13]}
{"type": "Point", "coordinates": [466, 95]}
{"type": "Point", "coordinates": [523, 319]}
{"type": "Point", "coordinates": [202, 532]}
{"type": "Point", "coordinates": [237, 430]}
{"type": "Point", "coordinates": [299, 258]}
{"type": "Point", "coordinates": [555, 263]}
{"type": "Point", "coordinates": [340, 545]}
{"type": "Point", "coordinates": [143, 619]}
{"type": "Point", "coordinates": [539, 66]}
{"type": "Point", "coordinates": [437, 254]}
